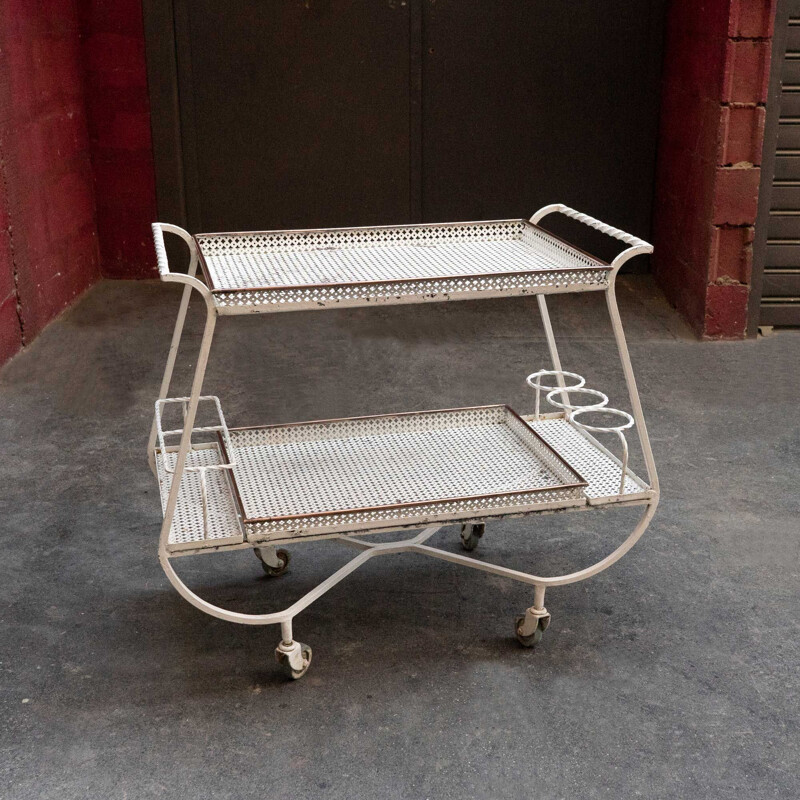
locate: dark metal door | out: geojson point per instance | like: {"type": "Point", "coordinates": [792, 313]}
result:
{"type": "Point", "coordinates": [293, 114]}
{"type": "Point", "coordinates": [303, 113]}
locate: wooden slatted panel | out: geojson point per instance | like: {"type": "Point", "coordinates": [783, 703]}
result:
{"type": "Point", "coordinates": [782, 283]}
{"type": "Point", "coordinates": [775, 311]}
{"type": "Point", "coordinates": [780, 300]}
{"type": "Point", "coordinates": [789, 135]}
{"type": "Point", "coordinates": [790, 74]}
{"type": "Point", "coordinates": [783, 253]}
{"type": "Point", "coordinates": [784, 225]}
{"type": "Point", "coordinates": [790, 103]}
{"type": "Point", "coordinates": [787, 167]}
{"type": "Point", "coordinates": [793, 38]}
{"type": "Point", "coordinates": [785, 195]}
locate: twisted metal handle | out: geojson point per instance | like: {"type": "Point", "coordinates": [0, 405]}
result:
{"type": "Point", "coordinates": [609, 230]}
{"type": "Point", "coordinates": [161, 250]}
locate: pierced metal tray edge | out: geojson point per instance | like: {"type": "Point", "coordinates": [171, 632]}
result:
{"type": "Point", "coordinates": [580, 484]}
{"type": "Point", "coordinates": [199, 237]}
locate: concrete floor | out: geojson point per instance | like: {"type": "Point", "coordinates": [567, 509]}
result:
{"type": "Point", "coordinates": [671, 675]}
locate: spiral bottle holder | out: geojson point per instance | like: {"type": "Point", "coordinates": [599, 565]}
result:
{"type": "Point", "coordinates": [564, 397]}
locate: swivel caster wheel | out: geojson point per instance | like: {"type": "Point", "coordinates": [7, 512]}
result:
{"type": "Point", "coordinates": [532, 638]}
{"type": "Point", "coordinates": [274, 562]}
{"type": "Point", "coordinates": [471, 534]}
{"type": "Point", "coordinates": [295, 659]}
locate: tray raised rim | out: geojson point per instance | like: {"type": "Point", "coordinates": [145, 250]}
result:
{"type": "Point", "coordinates": [582, 483]}
{"type": "Point", "coordinates": [200, 237]}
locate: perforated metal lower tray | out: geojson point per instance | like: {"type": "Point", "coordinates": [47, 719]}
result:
{"type": "Point", "coordinates": [383, 471]}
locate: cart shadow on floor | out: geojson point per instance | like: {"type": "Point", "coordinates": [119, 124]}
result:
{"type": "Point", "coordinates": [407, 615]}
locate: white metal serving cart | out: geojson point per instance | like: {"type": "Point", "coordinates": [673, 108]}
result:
{"type": "Point", "coordinates": [261, 487]}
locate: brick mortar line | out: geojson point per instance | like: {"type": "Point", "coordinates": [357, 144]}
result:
{"type": "Point", "coordinates": [726, 280]}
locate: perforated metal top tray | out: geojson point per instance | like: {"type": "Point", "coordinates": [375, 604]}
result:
{"type": "Point", "coordinates": [393, 469]}
{"type": "Point", "coordinates": [290, 270]}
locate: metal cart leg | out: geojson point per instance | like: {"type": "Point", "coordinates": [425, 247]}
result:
{"type": "Point", "coordinates": [531, 627]}
{"type": "Point", "coordinates": [294, 657]}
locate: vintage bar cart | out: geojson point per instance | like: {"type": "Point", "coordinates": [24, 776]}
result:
{"type": "Point", "coordinates": [261, 487]}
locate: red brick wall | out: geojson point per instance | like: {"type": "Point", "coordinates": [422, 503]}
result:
{"type": "Point", "coordinates": [77, 184]}
{"type": "Point", "coordinates": [712, 123]}
{"type": "Point", "coordinates": [119, 128]}
{"type": "Point", "coordinates": [48, 241]}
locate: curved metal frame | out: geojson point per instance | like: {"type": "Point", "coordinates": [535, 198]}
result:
{"type": "Point", "coordinates": [537, 612]}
